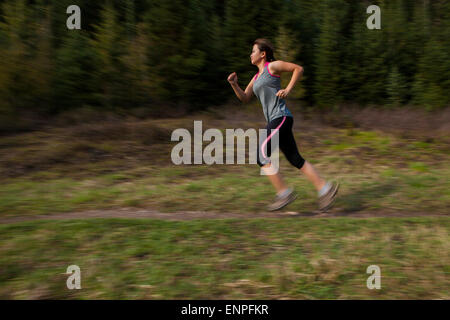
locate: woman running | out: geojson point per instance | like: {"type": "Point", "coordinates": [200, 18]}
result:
{"type": "Point", "coordinates": [266, 85]}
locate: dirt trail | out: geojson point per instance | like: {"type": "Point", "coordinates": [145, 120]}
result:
{"type": "Point", "coordinates": [133, 213]}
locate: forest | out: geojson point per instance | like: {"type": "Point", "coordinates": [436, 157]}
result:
{"type": "Point", "coordinates": [162, 54]}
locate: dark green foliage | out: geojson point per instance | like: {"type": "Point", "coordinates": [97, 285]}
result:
{"type": "Point", "coordinates": [75, 84]}
{"type": "Point", "coordinates": [159, 53]}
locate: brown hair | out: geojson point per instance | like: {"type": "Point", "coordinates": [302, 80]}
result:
{"type": "Point", "coordinates": [265, 45]}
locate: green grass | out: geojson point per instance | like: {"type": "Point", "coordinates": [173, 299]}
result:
{"type": "Point", "coordinates": [113, 165]}
{"type": "Point", "coordinates": [417, 188]}
{"type": "Point", "coordinates": [418, 166]}
{"type": "Point", "coordinates": [377, 171]}
{"type": "Point", "coordinates": [226, 259]}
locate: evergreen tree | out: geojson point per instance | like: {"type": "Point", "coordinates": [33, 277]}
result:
{"type": "Point", "coordinates": [133, 53]}
{"type": "Point", "coordinates": [396, 87]}
{"type": "Point", "coordinates": [238, 40]}
{"type": "Point", "coordinates": [367, 67]}
{"type": "Point", "coordinates": [15, 77]}
{"type": "Point", "coordinates": [43, 58]}
{"type": "Point", "coordinates": [328, 59]}
{"type": "Point", "coordinates": [167, 38]}
{"type": "Point", "coordinates": [139, 79]}
{"type": "Point", "coordinates": [130, 18]}
{"type": "Point", "coordinates": [287, 49]}
{"type": "Point", "coordinates": [432, 84]}
{"type": "Point", "coordinates": [304, 18]}
{"type": "Point", "coordinates": [109, 47]}
{"type": "Point", "coordinates": [75, 80]}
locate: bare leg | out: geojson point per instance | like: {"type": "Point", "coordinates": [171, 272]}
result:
{"type": "Point", "coordinates": [276, 179]}
{"type": "Point", "coordinates": [312, 175]}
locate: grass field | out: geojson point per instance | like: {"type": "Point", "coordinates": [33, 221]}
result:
{"type": "Point", "coordinates": [227, 259]}
{"type": "Point", "coordinates": [127, 164]}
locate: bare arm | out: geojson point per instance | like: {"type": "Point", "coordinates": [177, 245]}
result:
{"type": "Point", "coordinates": [244, 96]}
{"type": "Point", "coordinates": [279, 67]}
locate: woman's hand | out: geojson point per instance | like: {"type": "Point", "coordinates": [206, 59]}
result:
{"type": "Point", "coordinates": [283, 93]}
{"type": "Point", "coordinates": [232, 78]}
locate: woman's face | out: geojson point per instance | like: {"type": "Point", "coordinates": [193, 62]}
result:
{"type": "Point", "coordinates": [255, 56]}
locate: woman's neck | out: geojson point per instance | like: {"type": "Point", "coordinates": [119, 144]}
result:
{"type": "Point", "coordinates": [261, 66]}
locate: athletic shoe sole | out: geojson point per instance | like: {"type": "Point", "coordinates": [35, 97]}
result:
{"type": "Point", "coordinates": [281, 203]}
{"type": "Point", "coordinates": [328, 199]}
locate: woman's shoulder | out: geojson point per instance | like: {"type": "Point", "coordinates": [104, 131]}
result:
{"type": "Point", "coordinates": [272, 73]}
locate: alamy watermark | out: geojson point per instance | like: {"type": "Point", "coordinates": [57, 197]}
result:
{"type": "Point", "coordinates": [374, 281]}
{"type": "Point", "coordinates": [74, 280]}
{"type": "Point", "coordinates": [213, 153]}
{"type": "Point", "coordinates": [374, 21]}
{"type": "Point", "coordinates": [73, 22]}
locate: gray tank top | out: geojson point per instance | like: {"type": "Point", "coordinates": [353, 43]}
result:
{"type": "Point", "coordinates": [265, 87]}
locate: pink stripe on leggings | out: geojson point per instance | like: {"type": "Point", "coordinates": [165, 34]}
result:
{"type": "Point", "coordinates": [270, 136]}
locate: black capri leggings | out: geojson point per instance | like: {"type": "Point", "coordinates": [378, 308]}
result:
{"type": "Point", "coordinates": [283, 128]}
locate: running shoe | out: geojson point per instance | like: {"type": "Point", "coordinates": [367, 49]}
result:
{"type": "Point", "coordinates": [327, 200]}
{"type": "Point", "coordinates": [283, 201]}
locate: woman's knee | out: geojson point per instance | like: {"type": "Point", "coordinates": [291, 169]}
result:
{"type": "Point", "coordinates": [296, 160]}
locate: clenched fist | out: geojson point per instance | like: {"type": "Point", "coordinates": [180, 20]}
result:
{"type": "Point", "coordinates": [232, 78]}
